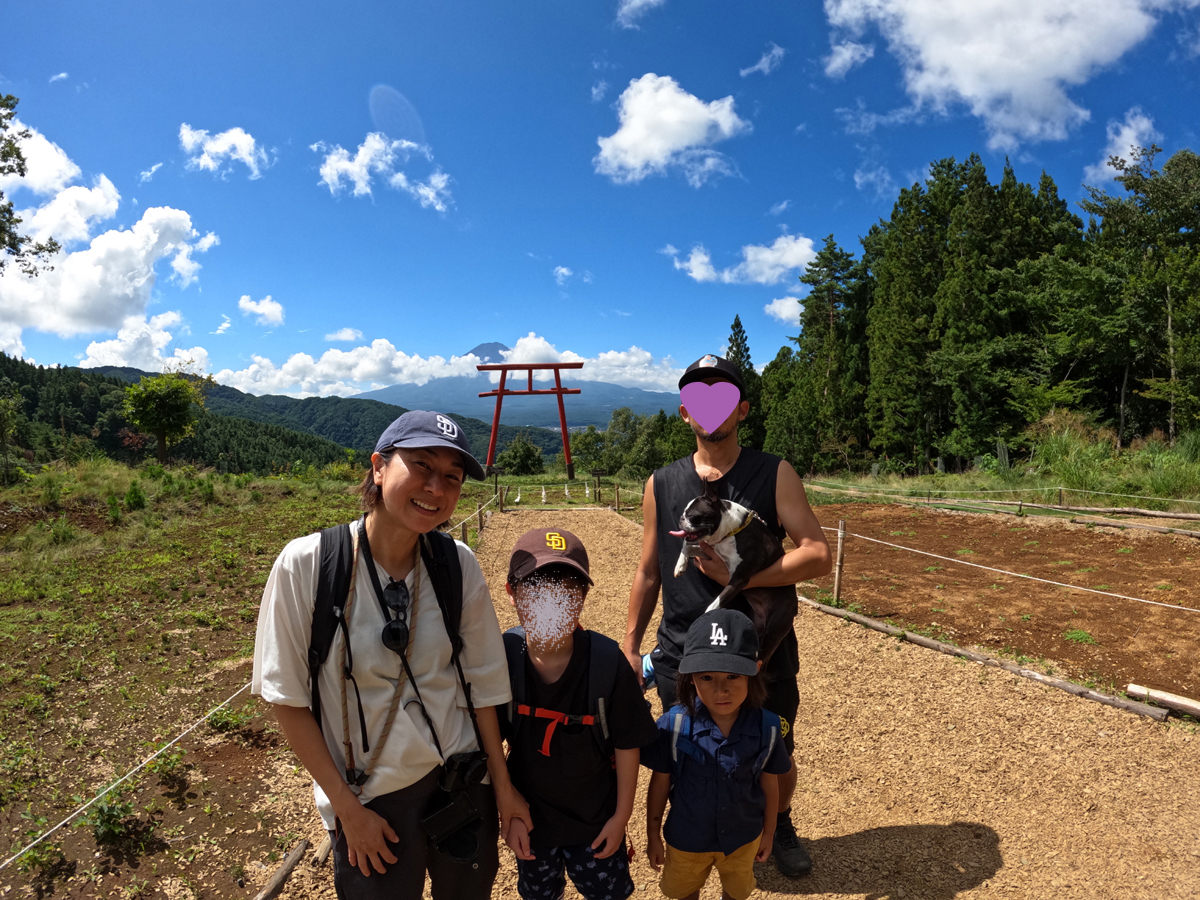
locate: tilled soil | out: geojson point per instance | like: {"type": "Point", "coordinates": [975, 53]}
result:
{"type": "Point", "coordinates": [1116, 642]}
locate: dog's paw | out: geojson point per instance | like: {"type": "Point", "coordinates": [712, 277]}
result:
{"type": "Point", "coordinates": [681, 565]}
{"type": "Point", "coordinates": [716, 604]}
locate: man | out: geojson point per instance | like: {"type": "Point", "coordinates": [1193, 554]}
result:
{"type": "Point", "coordinates": [769, 486]}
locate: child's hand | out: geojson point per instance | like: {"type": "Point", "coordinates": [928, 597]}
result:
{"type": "Point", "coordinates": [764, 846]}
{"type": "Point", "coordinates": [518, 839]}
{"type": "Point", "coordinates": [656, 853]}
{"type": "Point", "coordinates": [513, 808]}
{"type": "Point", "coordinates": [611, 834]}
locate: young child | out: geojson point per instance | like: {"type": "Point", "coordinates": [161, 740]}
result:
{"type": "Point", "coordinates": [574, 728]}
{"type": "Point", "coordinates": [718, 757]}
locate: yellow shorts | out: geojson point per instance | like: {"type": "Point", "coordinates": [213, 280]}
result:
{"type": "Point", "coordinates": [685, 873]}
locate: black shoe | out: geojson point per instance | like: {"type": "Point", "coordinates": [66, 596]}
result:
{"type": "Point", "coordinates": [791, 858]}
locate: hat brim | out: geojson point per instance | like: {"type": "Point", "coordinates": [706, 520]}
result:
{"type": "Point", "coordinates": [711, 372]}
{"type": "Point", "coordinates": [470, 464]}
{"type": "Point", "coordinates": [524, 570]}
{"type": "Point", "coordinates": [716, 661]}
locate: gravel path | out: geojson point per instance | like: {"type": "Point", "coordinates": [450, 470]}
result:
{"type": "Point", "coordinates": [927, 778]}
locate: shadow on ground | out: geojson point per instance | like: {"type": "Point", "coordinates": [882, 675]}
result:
{"type": "Point", "coordinates": [930, 862]}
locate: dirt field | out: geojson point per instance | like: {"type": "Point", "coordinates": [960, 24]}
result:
{"type": "Point", "coordinates": [1117, 642]}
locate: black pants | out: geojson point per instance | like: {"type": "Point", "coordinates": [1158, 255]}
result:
{"type": "Point", "coordinates": [405, 880]}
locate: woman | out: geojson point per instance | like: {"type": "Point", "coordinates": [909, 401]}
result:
{"type": "Point", "coordinates": [378, 753]}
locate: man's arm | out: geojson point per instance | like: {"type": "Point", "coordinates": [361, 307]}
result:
{"type": "Point", "coordinates": [646, 583]}
{"type": "Point", "coordinates": [810, 559]}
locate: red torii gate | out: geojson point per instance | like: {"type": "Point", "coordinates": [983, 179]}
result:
{"type": "Point", "coordinates": [502, 392]}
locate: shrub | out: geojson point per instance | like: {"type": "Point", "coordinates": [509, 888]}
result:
{"type": "Point", "coordinates": [135, 498]}
{"type": "Point", "coordinates": [114, 510]}
{"type": "Point", "coordinates": [109, 818]}
{"type": "Point", "coordinates": [228, 719]}
{"type": "Point", "coordinates": [51, 491]}
{"type": "Point", "coordinates": [206, 490]}
{"type": "Point", "coordinates": [62, 531]}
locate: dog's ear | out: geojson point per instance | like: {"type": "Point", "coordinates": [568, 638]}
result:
{"type": "Point", "coordinates": [709, 491]}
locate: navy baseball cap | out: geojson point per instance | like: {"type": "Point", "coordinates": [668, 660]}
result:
{"type": "Point", "coordinates": [419, 428]}
{"type": "Point", "coordinates": [712, 367]}
{"type": "Point", "coordinates": [723, 640]}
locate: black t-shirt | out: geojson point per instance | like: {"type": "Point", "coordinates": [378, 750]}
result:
{"type": "Point", "coordinates": [750, 482]}
{"type": "Point", "coordinates": [573, 791]}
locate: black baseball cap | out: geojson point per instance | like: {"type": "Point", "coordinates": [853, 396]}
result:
{"type": "Point", "coordinates": [547, 547]}
{"type": "Point", "coordinates": [723, 640]}
{"type": "Point", "coordinates": [420, 428]}
{"type": "Point", "coordinates": [712, 367]}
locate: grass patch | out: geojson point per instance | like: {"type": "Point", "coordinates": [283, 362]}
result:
{"type": "Point", "coordinates": [1079, 636]}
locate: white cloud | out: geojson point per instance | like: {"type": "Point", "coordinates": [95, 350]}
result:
{"type": "Point", "coordinates": [61, 76]}
{"type": "Point", "coordinates": [215, 151]}
{"type": "Point", "coordinates": [1011, 63]}
{"type": "Point", "coordinates": [629, 11]}
{"type": "Point", "coordinates": [876, 178]}
{"type": "Point", "coordinates": [1136, 131]}
{"type": "Point", "coordinates": [663, 126]}
{"type": "Point", "coordinates": [771, 60]}
{"type": "Point", "coordinates": [140, 343]}
{"type": "Point", "coordinates": [100, 287]}
{"type": "Point", "coordinates": [561, 274]}
{"type": "Point", "coordinates": [149, 173]}
{"type": "Point", "coordinates": [779, 208]}
{"type": "Point", "coordinates": [786, 309]}
{"type": "Point", "coordinates": [378, 155]}
{"type": "Point", "coordinates": [224, 326]}
{"type": "Point", "coordinates": [265, 311]}
{"type": "Point", "coordinates": [760, 264]}
{"type": "Point", "coordinates": [634, 367]}
{"type": "Point", "coordinates": [345, 334]}
{"type": "Point", "coordinates": [185, 267]}
{"type": "Point", "coordinates": [599, 89]}
{"type": "Point", "coordinates": [48, 169]}
{"type": "Point", "coordinates": [68, 217]}
{"type": "Point", "coordinates": [845, 56]}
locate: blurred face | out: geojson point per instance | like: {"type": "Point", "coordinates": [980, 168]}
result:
{"type": "Point", "coordinates": [726, 429]}
{"type": "Point", "coordinates": [549, 605]}
{"type": "Point", "coordinates": [722, 693]}
{"type": "Point", "coordinates": [420, 487]}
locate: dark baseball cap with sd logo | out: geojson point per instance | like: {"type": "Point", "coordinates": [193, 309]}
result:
{"type": "Point", "coordinates": [421, 428]}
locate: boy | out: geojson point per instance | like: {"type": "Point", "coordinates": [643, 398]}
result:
{"type": "Point", "coordinates": [575, 726]}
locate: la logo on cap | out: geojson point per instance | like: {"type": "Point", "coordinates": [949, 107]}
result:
{"type": "Point", "coordinates": [718, 638]}
{"type": "Point", "coordinates": [556, 541]}
{"type": "Point", "coordinates": [447, 426]}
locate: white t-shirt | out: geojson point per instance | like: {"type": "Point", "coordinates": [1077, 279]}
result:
{"type": "Point", "coordinates": [281, 666]}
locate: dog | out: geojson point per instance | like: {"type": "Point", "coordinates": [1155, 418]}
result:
{"type": "Point", "coordinates": [746, 545]}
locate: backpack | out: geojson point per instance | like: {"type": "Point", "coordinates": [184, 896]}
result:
{"type": "Point", "coordinates": [440, 555]}
{"type": "Point", "coordinates": [681, 740]}
{"type": "Point", "coordinates": [606, 655]}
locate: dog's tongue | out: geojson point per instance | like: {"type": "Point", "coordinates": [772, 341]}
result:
{"type": "Point", "coordinates": [677, 533]}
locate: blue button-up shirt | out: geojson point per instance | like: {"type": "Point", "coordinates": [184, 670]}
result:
{"type": "Point", "coordinates": [716, 801]}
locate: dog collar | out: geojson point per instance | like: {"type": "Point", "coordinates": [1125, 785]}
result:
{"type": "Point", "coordinates": [742, 527]}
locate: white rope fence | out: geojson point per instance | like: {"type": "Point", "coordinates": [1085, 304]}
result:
{"type": "Point", "coordinates": [124, 777]}
{"type": "Point", "coordinates": [472, 515]}
{"type": "Point", "coordinates": [963, 562]}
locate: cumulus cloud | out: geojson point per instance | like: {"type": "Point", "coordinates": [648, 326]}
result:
{"type": "Point", "coordinates": [345, 334]}
{"type": "Point", "coordinates": [149, 173]}
{"type": "Point", "coordinates": [48, 169]}
{"type": "Point", "coordinates": [780, 208]}
{"type": "Point", "coordinates": [1011, 64]}
{"type": "Point", "coordinates": [216, 150]}
{"type": "Point", "coordinates": [184, 266]}
{"type": "Point", "coordinates": [629, 11]}
{"type": "Point", "coordinates": [224, 326]}
{"type": "Point", "coordinates": [662, 127]}
{"type": "Point", "coordinates": [786, 309]}
{"type": "Point", "coordinates": [378, 155]}
{"type": "Point", "coordinates": [265, 311]}
{"type": "Point", "coordinates": [599, 89]}
{"type": "Point", "coordinates": [845, 55]}
{"type": "Point", "coordinates": [561, 274]}
{"type": "Point", "coordinates": [634, 367]}
{"type": "Point", "coordinates": [876, 179]}
{"type": "Point", "coordinates": [72, 212]}
{"type": "Point", "coordinates": [61, 76]}
{"type": "Point", "coordinates": [770, 61]}
{"type": "Point", "coordinates": [1123, 137]}
{"type": "Point", "coordinates": [760, 264]}
{"type": "Point", "coordinates": [141, 343]}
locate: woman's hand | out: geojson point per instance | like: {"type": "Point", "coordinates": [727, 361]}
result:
{"type": "Point", "coordinates": [518, 840]}
{"type": "Point", "coordinates": [367, 834]}
{"type": "Point", "coordinates": [656, 851]}
{"type": "Point", "coordinates": [712, 565]}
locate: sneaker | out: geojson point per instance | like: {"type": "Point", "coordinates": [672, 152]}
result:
{"type": "Point", "coordinates": [791, 858]}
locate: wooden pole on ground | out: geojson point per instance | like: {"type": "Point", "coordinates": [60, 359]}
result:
{"type": "Point", "coordinates": [617, 501]}
{"type": "Point", "coordinates": [323, 852]}
{"type": "Point", "coordinates": [1162, 698]}
{"type": "Point", "coordinates": [479, 516]}
{"type": "Point", "coordinates": [464, 531]}
{"type": "Point", "coordinates": [1132, 706]}
{"type": "Point", "coordinates": [837, 572]}
{"type": "Point", "coordinates": [279, 879]}
{"type": "Point", "coordinates": [500, 501]}
{"type": "Point", "coordinates": [1110, 523]}
{"type": "Point", "coordinates": [1060, 503]}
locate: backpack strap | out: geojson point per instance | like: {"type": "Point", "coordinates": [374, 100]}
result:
{"type": "Point", "coordinates": [605, 662]}
{"type": "Point", "coordinates": [677, 722]}
{"type": "Point", "coordinates": [769, 734]}
{"type": "Point", "coordinates": [514, 652]}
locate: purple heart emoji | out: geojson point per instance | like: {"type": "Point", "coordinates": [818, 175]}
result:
{"type": "Point", "coordinates": [708, 405]}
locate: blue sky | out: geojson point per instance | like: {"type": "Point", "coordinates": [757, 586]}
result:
{"type": "Point", "coordinates": [325, 199]}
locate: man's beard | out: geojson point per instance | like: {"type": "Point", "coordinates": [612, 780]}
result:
{"type": "Point", "coordinates": [713, 437]}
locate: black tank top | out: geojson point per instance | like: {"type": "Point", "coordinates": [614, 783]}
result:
{"type": "Point", "coordinates": [751, 482]}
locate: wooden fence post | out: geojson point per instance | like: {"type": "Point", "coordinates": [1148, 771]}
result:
{"type": "Point", "coordinates": [500, 501]}
{"type": "Point", "coordinates": [479, 517]}
{"type": "Point", "coordinates": [617, 501]}
{"type": "Point", "coordinates": [464, 531]}
{"type": "Point", "coordinates": [1060, 503]}
{"type": "Point", "coordinates": [841, 555]}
